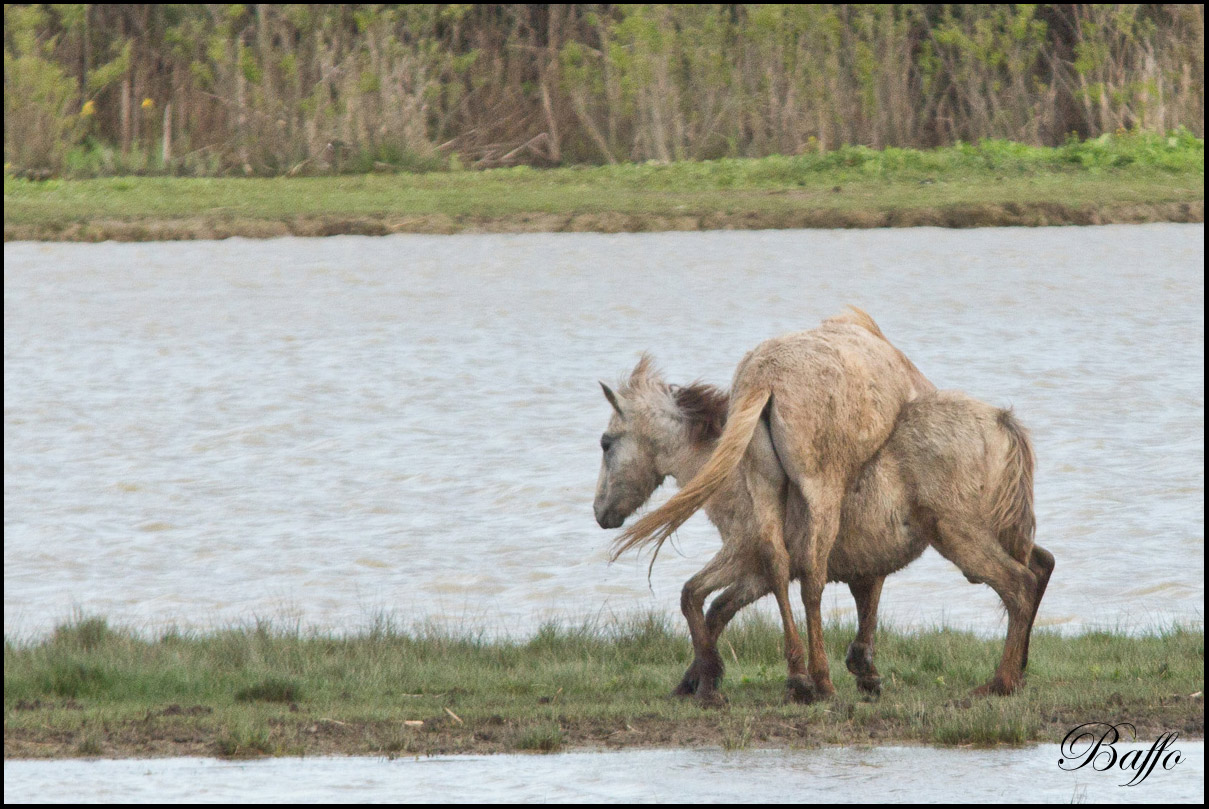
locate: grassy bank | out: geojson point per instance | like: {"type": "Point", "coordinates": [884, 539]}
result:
{"type": "Point", "coordinates": [90, 690]}
{"type": "Point", "coordinates": [1133, 178]}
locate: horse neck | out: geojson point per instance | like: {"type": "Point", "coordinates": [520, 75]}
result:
{"type": "Point", "coordinates": [684, 459]}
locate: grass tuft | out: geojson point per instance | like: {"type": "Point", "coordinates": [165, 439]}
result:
{"type": "Point", "coordinates": [270, 690]}
{"type": "Point", "coordinates": [82, 633]}
{"type": "Point", "coordinates": [543, 738]}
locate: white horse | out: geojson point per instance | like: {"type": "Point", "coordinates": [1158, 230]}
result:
{"type": "Point", "coordinates": [955, 473]}
{"type": "Point", "coordinates": [807, 411]}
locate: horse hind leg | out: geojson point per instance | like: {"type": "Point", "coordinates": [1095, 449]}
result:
{"type": "Point", "coordinates": [867, 591]}
{"type": "Point", "coordinates": [1041, 562]}
{"type": "Point", "coordinates": [823, 503]}
{"type": "Point", "coordinates": [766, 484]}
{"type": "Point", "coordinates": [814, 501]}
{"type": "Point", "coordinates": [981, 558]}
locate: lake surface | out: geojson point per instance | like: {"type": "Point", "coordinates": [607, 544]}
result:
{"type": "Point", "coordinates": [828, 775]}
{"type": "Point", "coordinates": [328, 430]}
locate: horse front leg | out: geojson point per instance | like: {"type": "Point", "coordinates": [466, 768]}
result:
{"type": "Point", "coordinates": [707, 668]}
{"type": "Point", "coordinates": [867, 591]}
{"type": "Point", "coordinates": [751, 587]}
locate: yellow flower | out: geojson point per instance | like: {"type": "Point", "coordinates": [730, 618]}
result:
{"type": "Point", "coordinates": [148, 104]}
{"type": "Point", "coordinates": [89, 108]}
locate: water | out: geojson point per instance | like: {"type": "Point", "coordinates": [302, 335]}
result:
{"type": "Point", "coordinates": [828, 775]}
{"type": "Point", "coordinates": [200, 433]}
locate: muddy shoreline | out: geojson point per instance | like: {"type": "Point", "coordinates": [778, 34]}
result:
{"type": "Point", "coordinates": [174, 731]}
{"type": "Point", "coordinates": [1037, 214]}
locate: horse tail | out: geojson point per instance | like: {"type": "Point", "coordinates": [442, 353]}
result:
{"type": "Point", "coordinates": [1012, 508]}
{"type": "Point", "coordinates": [732, 445]}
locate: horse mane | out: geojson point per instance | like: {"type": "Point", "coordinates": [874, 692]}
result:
{"type": "Point", "coordinates": [704, 408]}
{"type": "Point", "coordinates": [859, 317]}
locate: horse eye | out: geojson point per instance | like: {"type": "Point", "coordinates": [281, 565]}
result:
{"type": "Point", "coordinates": [606, 441]}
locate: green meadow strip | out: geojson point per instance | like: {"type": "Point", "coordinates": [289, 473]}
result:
{"type": "Point", "coordinates": [262, 690]}
{"type": "Point", "coordinates": [1126, 178]}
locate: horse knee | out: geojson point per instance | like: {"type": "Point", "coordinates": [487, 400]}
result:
{"type": "Point", "coordinates": [686, 598]}
{"type": "Point", "coordinates": [692, 598]}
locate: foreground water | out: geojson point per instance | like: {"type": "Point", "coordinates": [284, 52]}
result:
{"type": "Point", "coordinates": [325, 430]}
{"type": "Point", "coordinates": [828, 775]}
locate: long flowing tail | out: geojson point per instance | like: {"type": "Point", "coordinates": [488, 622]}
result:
{"type": "Point", "coordinates": [732, 444]}
{"type": "Point", "coordinates": [1012, 511]}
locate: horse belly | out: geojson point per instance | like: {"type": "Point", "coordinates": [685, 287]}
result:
{"type": "Point", "coordinates": [877, 537]}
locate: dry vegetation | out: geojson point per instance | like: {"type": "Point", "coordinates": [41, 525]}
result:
{"type": "Point", "coordinates": [204, 90]}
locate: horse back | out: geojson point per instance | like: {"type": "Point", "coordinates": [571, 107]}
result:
{"type": "Point", "coordinates": [836, 393]}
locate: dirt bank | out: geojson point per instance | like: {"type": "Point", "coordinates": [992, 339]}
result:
{"type": "Point", "coordinates": [174, 730]}
{"type": "Point", "coordinates": [1037, 214]}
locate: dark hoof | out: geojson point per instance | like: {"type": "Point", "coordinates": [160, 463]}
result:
{"type": "Point", "coordinates": [860, 660]}
{"type": "Point", "coordinates": [871, 686]}
{"type": "Point", "coordinates": [997, 687]}
{"type": "Point", "coordinates": [712, 699]}
{"type": "Point", "coordinates": [800, 690]}
{"type": "Point", "coordinates": [702, 670]}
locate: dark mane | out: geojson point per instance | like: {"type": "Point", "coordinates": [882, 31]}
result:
{"type": "Point", "coordinates": [704, 408]}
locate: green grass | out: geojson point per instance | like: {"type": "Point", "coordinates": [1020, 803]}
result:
{"type": "Point", "coordinates": [1108, 179]}
{"type": "Point", "coordinates": [93, 690]}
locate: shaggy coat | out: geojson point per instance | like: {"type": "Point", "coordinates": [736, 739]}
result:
{"type": "Point", "coordinates": [807, 411]}
{"type": "Point", "coordinates": [955, 474]}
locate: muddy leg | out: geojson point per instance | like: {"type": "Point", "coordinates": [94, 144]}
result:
{"type": "Point", "coordinates": [743, 592]}
{"type": "Point", "coordinates": [1041, 562]}
{"type": "Point", "coordinates": [706, 669]}
{"type": "Point", "coordinates": [824, 508]}
{"type": "Point", "coordinates": [766, 483]}
{"type": "Point", "coordinates": [982, 559]}
{"type": "Point", "coordinates": [776, 560]}
{"type": "Point", "coordinates": [866, 591]}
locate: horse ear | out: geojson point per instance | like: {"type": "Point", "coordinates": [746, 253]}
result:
{"type": "Point", "coordinates": [643, 370]}
{"type": "Point", "coordinates": [612, 397]}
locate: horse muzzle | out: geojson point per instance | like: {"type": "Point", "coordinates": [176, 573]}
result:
{"type": "Point", "coordinates": [609, 519]}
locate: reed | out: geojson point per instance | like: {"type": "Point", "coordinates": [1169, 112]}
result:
{"type": "Point", "coordinates": [263, 89]}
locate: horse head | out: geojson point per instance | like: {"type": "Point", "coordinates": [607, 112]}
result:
{"type": "Point", "coordinates": [629, 469]}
